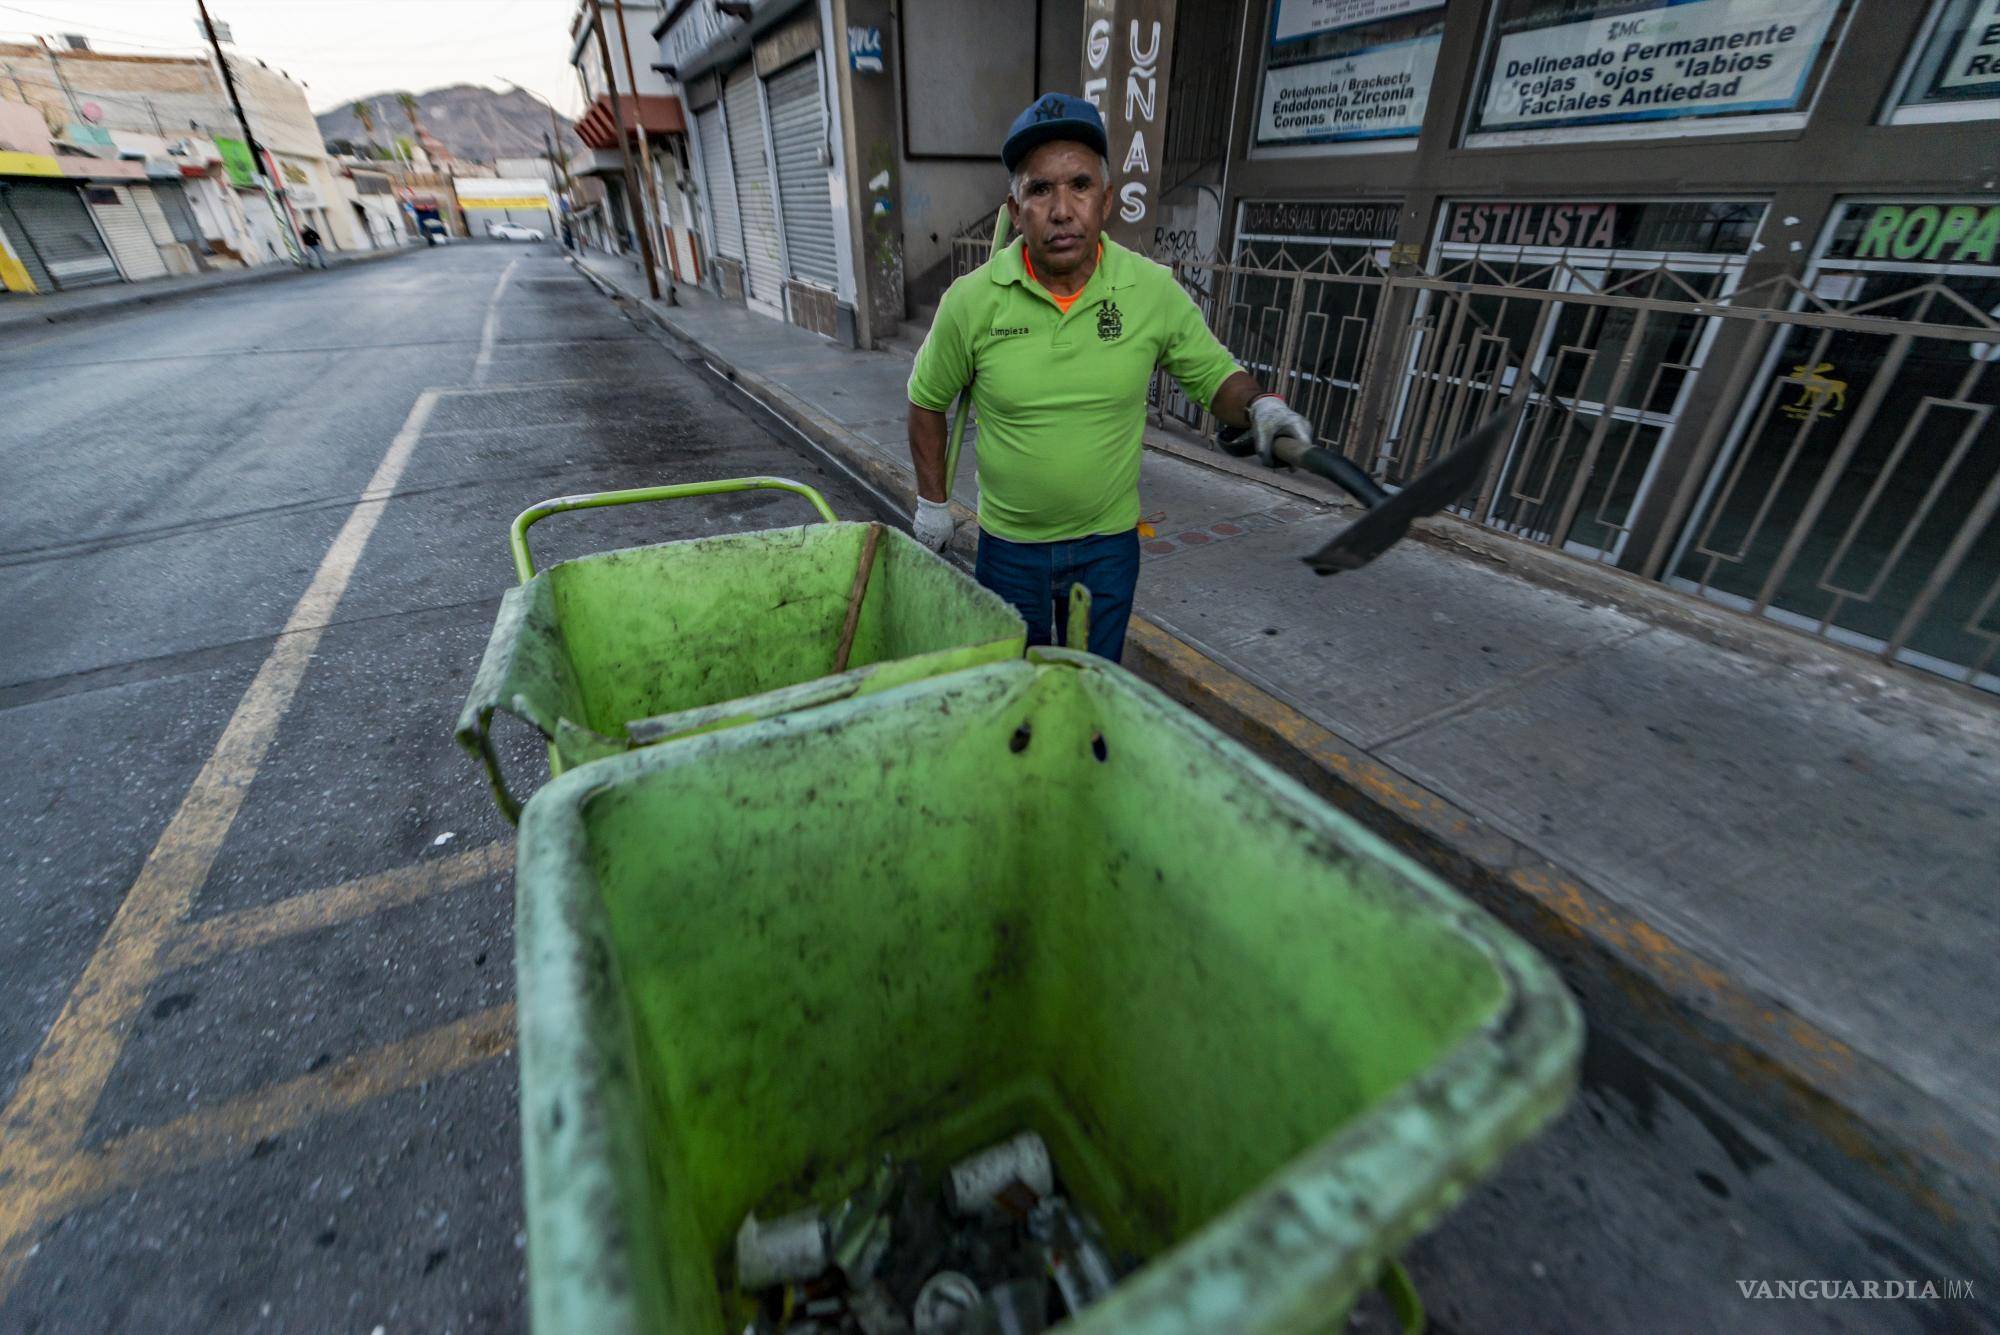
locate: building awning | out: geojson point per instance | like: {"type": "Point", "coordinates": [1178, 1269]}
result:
{"type": "Point", "coordinates": [28, 164]}
{"type": "Point", "coordinates": [659, 113]}
{"type": "Point", "coordinates": [100, 169]}
{"type": "Point", "coordinates": [597, 162]}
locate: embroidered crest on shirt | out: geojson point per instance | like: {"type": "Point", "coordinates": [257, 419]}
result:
{"type": "Point", "coordinates": [1110, 322]}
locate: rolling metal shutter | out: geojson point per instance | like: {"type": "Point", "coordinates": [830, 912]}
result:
{"type": "Point", "coordinates": [181, 222]}
{"type": "Point", "coordinates": [60, 230]}
{"type": "Point", "coordinates": [718, 181]}
{"type": "Point", "coordinates": [798, 133]}
{"type": "Point", "coordinates": [155, 217]}
{"type": "Point", "coordinates": [764, 269]}
{"type": "Point", "coordinates": [125, 229]}
{"type": "Point", "coordinates": [14, 235]}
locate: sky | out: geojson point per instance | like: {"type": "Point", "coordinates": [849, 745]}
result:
{"type": "Point", "coordinates": [340, 49]}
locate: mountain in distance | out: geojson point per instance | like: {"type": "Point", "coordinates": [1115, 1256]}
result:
{"type": "Point", "coordinates": [476, 124]}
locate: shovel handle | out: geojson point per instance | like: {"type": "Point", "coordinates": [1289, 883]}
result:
{"type": "Point", "coordinates": [956, 438]}
{"type": "Point", "coordinates": [517, 536]}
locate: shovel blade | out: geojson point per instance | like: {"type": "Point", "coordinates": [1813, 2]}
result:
{"type": "Point", "coordinates": [1430, 491]}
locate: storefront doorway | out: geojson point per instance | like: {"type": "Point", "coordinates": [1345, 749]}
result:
{"type": "Point", "coordinates": [1857, 495]}
{"type": "Point", "coordinates": [1608, 374]}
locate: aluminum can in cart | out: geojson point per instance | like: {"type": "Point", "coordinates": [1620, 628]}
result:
{"type": "Point", "coordinates": [782, 1251]}
{"type": "Point", "coordinates": [977, 1187]}
{"type": "Point", "coordinates": [944, 1304]}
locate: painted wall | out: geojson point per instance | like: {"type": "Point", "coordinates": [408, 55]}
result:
{"type": "Point", "coordinates": [941, 195]}
{"type": "Point", "coordinates": [23, 129]}
{"type": "Point", "coordinates": [639, 20]}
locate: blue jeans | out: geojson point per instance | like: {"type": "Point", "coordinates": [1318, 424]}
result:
{"type": "Point", "coordinates": [1036, 577]}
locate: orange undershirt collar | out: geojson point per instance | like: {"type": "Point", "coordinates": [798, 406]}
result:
{"type": "Point", "coordinates": [1062, 303]}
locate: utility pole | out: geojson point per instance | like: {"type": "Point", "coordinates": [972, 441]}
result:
{"type": "Point", "coordinates": [625, 149]}
{"type": "Point", "coordinates": [56, 65]}
{"type": "Point", "coordinates": [551, 138]}
{"type": "Point", "coordinates": [249, 136]}
{"type": "Point", "coordinates": [662, 233]}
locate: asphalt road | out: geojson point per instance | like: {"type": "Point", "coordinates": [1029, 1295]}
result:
{"type": "Point", "coordinates": [255, 906]}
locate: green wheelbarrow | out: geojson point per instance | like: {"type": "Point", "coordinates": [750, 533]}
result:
{"type": "Point", "coordinates": [626, 648]}
{"type": "Point", "coordinates": [1265, 1048]}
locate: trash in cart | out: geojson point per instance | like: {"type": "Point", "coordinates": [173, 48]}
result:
{"type": "Point", "coordinates": [994, 1249]}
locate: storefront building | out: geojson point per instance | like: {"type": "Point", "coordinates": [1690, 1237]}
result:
{"type": "Point", "coordinates": [1736, 261]}
{"type": "Point", "coordinates": [768, 163]}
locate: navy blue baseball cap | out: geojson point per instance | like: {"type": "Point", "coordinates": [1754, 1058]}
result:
{"type": "Point", "coordinates": [1050, 117]}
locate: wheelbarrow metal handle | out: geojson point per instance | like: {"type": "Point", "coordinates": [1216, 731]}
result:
{"type": "Point", "coordinates": [517, 536]}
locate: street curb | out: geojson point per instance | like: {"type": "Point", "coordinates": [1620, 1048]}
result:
{"type": "Point", "coordinates": [141, 297]}
{"type": "Point", "coordinates": [1863, 1128]}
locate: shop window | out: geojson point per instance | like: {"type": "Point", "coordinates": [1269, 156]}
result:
{"type": "Point", "coordinates": [1347, 72]}
{"type": "Point", "coordinates": [1608, 376]}
{"type": "Point", "coordinates": [1560, 70]}
{"type": "Point", "coordinates": [1304, 300]}
{"type": "Point", "coordinates": [1954, 70]}
{"type": "Point", "coordinates": [1858, 493]}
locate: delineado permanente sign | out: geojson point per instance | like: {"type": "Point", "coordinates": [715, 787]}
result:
{"type": "Point", "coordinates": [1701, 58]}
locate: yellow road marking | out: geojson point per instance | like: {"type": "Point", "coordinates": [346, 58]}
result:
{"type": "Point", "coordinates": [247, 928]}
{"type": "Point", "coordinates": [44, 1120]}
{"type": "Point", "coordinates": [211, 1133]}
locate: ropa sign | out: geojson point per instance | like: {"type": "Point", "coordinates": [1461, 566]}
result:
{"type": "Point", "coordinates": [1125, 56]}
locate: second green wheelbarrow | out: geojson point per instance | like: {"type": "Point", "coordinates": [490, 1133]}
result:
{"type": "Point", "coordinates": [626, 648]}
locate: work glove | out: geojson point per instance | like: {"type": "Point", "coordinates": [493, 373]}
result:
{"type": "Point", "coordinates": [933, 524]}
{"type": "Point", "coordinates": [1271, 417]}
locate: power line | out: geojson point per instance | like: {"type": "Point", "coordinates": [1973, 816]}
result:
{"type": "Point", "coordinates": [70, 25]}
{"type": "Point", "coordinates": [130, 100]}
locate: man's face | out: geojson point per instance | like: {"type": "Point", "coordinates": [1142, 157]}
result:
{"type": "Point", "coordinates": [1060, 211]}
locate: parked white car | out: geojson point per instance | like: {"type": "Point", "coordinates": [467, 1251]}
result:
{"type": "Point", "coordinates": [512, 231]}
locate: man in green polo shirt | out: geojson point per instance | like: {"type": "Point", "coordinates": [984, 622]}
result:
{"type": "Point", "coordinates": [1058, 336]}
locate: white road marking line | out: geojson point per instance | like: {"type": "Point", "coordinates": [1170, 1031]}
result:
{"type": "Point", "coordinates": [491, 329]}
{"type": "Point", "coordinates": [44, 1121]}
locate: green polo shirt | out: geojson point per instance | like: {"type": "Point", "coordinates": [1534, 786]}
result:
{"type": "Point", "coordinates": [1062, 397]}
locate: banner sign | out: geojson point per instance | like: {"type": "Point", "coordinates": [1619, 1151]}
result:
{"type": "Point", "coordinates": [1298, 19]}
{"type": "Point", "coordinates": [1333, 220]}
{"type": "Point", "coordinates": [1697, 58]}
{"type": "Point", "coordinates": [236, 161]}
{"type": "Point", "coordinates": [470, 202]}
{"type": "Point", "coordinates": [1127, 63]}
{"type": "Point", "coordinates": [1370, 94]}
{"type": "Point", "coordinates": [1677, 227]}
{"type": "Point", "coordinates": [1921, 233]}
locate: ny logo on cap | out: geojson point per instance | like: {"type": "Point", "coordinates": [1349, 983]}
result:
{"type": "Point", "coordinates": [1049, 108]}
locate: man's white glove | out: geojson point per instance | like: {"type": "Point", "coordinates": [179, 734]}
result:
{"type": "Point", "coordinates": [1271, 417]}
{"type": "Point", "coordinates": [933, 524]}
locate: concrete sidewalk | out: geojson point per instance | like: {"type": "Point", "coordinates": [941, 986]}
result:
{"type": "Point", "coordinates": [1768, 860]}
{"type": "Point", "coordinates": [18, 311]}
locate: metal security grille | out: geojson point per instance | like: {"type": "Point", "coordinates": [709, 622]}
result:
{"type": "Point", "coordinates": [718, 179]}
{"type": "Point", "coordinates": [126, 230]}
{"type": "Point", "coordinates": [1841, 475]}
{"type": "Point", "coordinates": [798, 133]}
{"type": "Point", "coordinates": [761, 256]}
{"type": "Point", "coordinates": [59, 228]}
